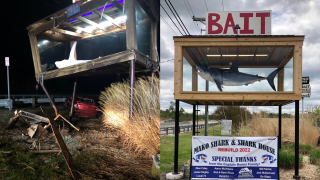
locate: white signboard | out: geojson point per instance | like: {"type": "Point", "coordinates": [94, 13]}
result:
{"type": "Point", "coordinates": [306, 90]}
{"type": "Point", "coordinates": [7, 61]}
{"type": "Point", "coordinates": [226, 127]}
{"type": "Point", "coordinates": [234, 157]}
{"type": "Point", "coordinates": [250, 22]}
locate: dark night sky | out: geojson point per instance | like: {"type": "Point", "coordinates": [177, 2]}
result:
{"type": "Point", "coordinates": [15, 17]}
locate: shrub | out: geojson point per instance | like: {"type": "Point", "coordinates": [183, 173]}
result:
{"type": "Point", "coordinates": [315, 156]}
{"type": "Point", "coordinates": [303, 148]}
{"type": "Point", "coordinates": [142, 132]}
{"type": "Point", "coordinates": [287, 160]}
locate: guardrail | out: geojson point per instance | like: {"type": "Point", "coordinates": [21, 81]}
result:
{"type": "Point", "coordinates": [185, 127]}
{"type": "Point", "coordinates": [32, 99]}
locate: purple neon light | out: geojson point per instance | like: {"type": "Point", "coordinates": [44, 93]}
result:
{"type": "Point", "coordinates": [109, 5]}
{"type": "Point", "coordinates": [100, 9]}
{"type": "Point", "coordinates": [87, 14]}
{"type": "Point", "coordinates": [72, 19]}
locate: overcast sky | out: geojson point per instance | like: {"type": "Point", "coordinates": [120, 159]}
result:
{"type": "Point", "coordinates": [294, 17]}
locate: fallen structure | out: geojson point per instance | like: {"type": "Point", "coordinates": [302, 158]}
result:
{"type": "Point", "coordinates": [37, 126]}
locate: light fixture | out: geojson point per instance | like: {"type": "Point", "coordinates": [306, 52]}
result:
{"type": "Point", "coordinates": [79, 31]}
{"type": "Point", "coordinates": [89, 28]}
{"type": "Point", "coordinates": [105, 23]}
{"type": "Point", "coordinates": [214, 55]}
{"type": "Point", "coordinates": [109, 5]}
{"type": "Point", "coordinates": [229, 55]}
{"type": "Point", "coordinates": [120, 19]}
{"type": "Point", "coordinates": [100, 9]}
{"type": "Point", "coordinates": [45, 41]}
{"type": "Point", "coordinates": [246, 54]}
{"type": "Point", "coordinates": [234, 55]}
{"type": "Point", "coordinates": [115, 21]}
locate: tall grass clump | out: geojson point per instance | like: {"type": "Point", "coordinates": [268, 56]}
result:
{"type": "Point", "coordinates": [287, 159]}
{"type": "Point", "coordinates": [141, 133]}
{"type": "Point", "coordinates": [315, 156]}
{"type": "Point", "coordinates": [260, 126]}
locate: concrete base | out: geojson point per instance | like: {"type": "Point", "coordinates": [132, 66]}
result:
{"type": "Point", "coordinates": [174, 176]}
{"type": "Point", "coordinates": [296, 177]}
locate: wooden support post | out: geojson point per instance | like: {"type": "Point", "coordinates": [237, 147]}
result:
{"type": "Point", "coordinates": [194, 79]}
{"type": "Point", "coordinates": [154, 41]}
{"type": "Point", "coordinates": [167, 131]}
{"type": "Point", "coordinates": [65, 152]}
{"type": "Point", "coordinates": [34, 100]}
{"type": "Point", "coordinates": [131, 31]}
{"type": "Point", "coordinates": [35, 54]}
{"type": "Point", "coordinates": [281, 80]}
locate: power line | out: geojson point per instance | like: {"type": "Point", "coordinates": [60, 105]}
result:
{"type": "Point", "coordinates": [191, 16]}
{"type": "Point", "coordinates": [206, 4]}
{"type": "Point", "coordinates": [190, 7]}
{"type": "Point", "coordinates": [178, 16]}
{"type": "Point", "coordinates": [175, 16]}
{"type": "Point", "coordinates": [171, 19]}
{"type": "Point", "coordinates": [168, 25]}
{"type": "Point", "coordinates": [222, 5]}
{"type": "Point", "coordinates": [167, 60]}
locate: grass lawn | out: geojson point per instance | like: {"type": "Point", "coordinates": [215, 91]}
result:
{"type": "Point", "coordinates": [167, 148]}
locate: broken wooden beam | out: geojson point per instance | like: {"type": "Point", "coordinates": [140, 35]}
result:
{"type": "Point", "coordinates": [92, 23]}
{"type": "Point", "coordinates": [65, 152]}
{"type": "Point", "coordinates": [45, 151]}
{"type": "Point", "coordinates": [108, 18]}
{"type": "Point", "coordinates": [66, 32]}
{"type": "Point", "coordinates": [5, 152]}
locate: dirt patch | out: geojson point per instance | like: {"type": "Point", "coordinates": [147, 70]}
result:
{"type": "Point", "coordinates": [308, 171]}
{"type": "Point", "coordinates": [97, 152]}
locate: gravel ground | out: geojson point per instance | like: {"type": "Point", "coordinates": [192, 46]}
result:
{"type": "Point", "coordinates": [308, 171]}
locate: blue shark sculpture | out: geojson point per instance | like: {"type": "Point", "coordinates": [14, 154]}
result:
{"type": "Point", "coordinates": [232, 76]}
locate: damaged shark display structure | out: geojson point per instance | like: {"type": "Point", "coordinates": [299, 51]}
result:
{"type": "Point", "coordinates": [243, 70]}
{"type": "Point", "coordinates": [111, 36]}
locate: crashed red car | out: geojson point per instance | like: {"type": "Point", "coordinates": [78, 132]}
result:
{"type": "Point", "coordinates": [84, 106]}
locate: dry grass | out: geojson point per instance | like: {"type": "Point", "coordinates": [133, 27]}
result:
{"type": "Point", "coordinates": [142, 132]}
{"type": "Point", "coordinates": [260, 126]}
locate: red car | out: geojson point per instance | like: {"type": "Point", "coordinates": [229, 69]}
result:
{"type": "Point", "coordinates": [84, 106]}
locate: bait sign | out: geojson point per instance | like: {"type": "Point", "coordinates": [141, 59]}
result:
{"type": "Point", "coordinates": [250, 22]}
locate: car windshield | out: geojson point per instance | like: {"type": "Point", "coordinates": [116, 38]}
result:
{"type": "Point", "coordinates": [81, 99]}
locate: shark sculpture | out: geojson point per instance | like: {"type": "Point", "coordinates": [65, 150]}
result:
{"type": "Point", "coordinates": [71, 61]}
{"type": "Point", "coordinates": [232, 76]}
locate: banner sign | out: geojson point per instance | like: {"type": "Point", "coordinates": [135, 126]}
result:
{"type": "Point", "coordinates": [250, 22]}
{"type": "Point", "coordinates": [306, 90]}
{"type": "Point", "coordinates": [215, 157]}
{"type": "Point", "coordinates": [73, 9]}
{"type": "Point", "coordinates": [305, 80]}
{"type": "Point", "coordinates": [226, 127]}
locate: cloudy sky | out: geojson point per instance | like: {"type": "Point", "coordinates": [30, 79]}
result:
{"type": "Point", "coordinates": [294, 17]}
